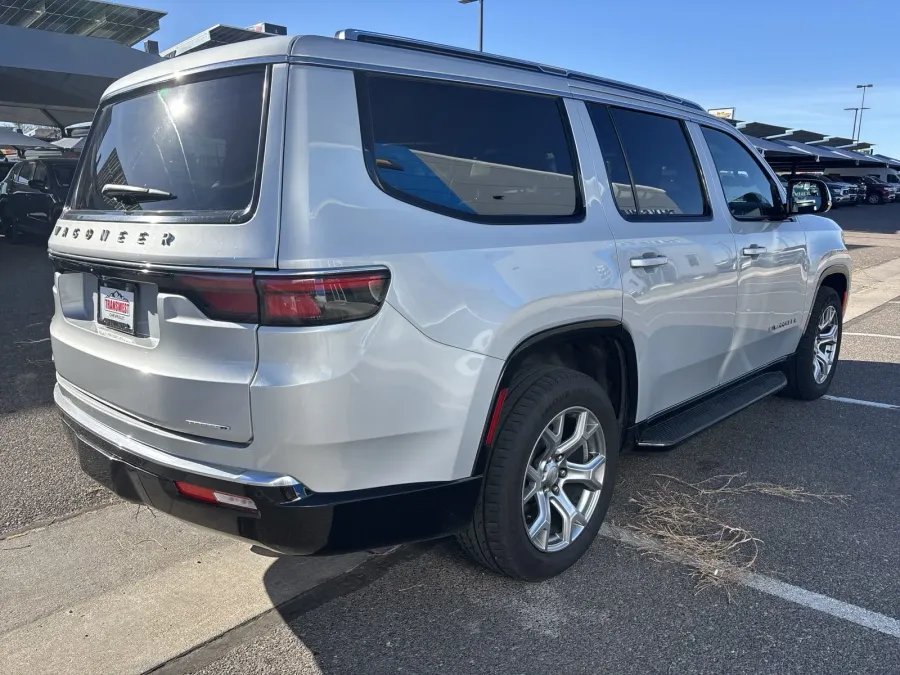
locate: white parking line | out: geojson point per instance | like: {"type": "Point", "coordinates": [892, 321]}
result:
{"type": "Point", "coordinates": [855, 401]}
{"type": "Point", "coordinates": [799, 596]}
{"type": "Point", "coordinates": [874, 335]}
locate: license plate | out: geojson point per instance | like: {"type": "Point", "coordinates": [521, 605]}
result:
{"type": "Point", "coordinates": [117, 306]}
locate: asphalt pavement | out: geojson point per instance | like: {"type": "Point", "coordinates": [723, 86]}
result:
{"type": "Point", "coordinates": [425, 608]}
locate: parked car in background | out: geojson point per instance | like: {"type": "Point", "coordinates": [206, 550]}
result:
{"type": "Point", "coordinates": [32, 196]}
{"type": "Point", "coordinates": [842, 192]}
{"type": "Point", "coordinates": [877, 192]}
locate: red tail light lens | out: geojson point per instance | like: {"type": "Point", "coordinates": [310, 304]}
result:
{"type": "Point", "coordinates": [221, 297]}
{"type": "Point", "coordinates": [322, 299]}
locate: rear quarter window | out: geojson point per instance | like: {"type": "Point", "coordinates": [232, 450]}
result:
{"type": "Point", "coordinates": [476, 153]}
{"type": "Point", "coordinates": [199, 140]}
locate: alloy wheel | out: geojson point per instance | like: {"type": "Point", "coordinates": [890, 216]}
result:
{"type": "Point", "coordinates": [825, 346]}
{"type": "Point", "coordinates": [563, 479]}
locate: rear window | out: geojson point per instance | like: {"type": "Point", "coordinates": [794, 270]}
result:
{"type": "Point", "coordinates": [199, 141]}
{"type": "Point", "coordinates": [477, 153]}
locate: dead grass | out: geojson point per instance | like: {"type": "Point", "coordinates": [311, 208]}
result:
{"type": "Point", "coordinates": [687, 523]}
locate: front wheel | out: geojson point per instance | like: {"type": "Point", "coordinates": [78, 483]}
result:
{"type": "Point", "coordinates": [550, 476]}
{"type": "Point", "coordinates": [875, 199]}
{"type": "Point", "coordinates": [813, 365]}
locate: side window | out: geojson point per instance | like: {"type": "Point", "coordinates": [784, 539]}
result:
{"type": "Point", "coordinates": [748, 190]}
{"type": "Point", "coordinates": [653, 155]}
{"type": "Point", "coordinates": [482, 154]}
{"type": "Point", "coordinates": [26, 172]}
{"type": "Point", "coordinates": [14, 173]}
{"type": "Point", "coordinates": [40, 172]}
{"type": "Point", "coordinates": [613, 159]}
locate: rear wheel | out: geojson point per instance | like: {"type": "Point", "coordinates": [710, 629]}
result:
{"type": "Point", "coordinates": [813, 365]}
{"type": "Point", "coordinates": [550, 477]}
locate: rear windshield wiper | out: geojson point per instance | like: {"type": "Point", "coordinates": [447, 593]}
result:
{"type": "Point", "coordinates": [133, 194]}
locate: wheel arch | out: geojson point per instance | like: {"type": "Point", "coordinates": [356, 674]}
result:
{"type": "Point", "coordinates": [610, 336]}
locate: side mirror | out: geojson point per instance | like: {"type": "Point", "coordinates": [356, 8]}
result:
{"type": "Point", "coordinates": [808, 196]}
{"type": "Point", "coordinates": [37, 185]}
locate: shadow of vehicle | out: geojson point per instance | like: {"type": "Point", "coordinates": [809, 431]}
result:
{"type": "Point", "coordinates": [26, 307]}
{"type": "Point", "coordinates": [426, 608]}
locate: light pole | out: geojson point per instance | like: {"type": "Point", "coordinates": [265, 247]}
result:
{"type": "Point", "coordinates": [855, 114]}
{"type": "Point", "coordinates": [480, 21]}
{"type": "Point", "coordinates": [859, 128]}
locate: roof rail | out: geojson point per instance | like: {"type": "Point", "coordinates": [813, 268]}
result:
{"type": "Point", "coordinates": [459, 52]}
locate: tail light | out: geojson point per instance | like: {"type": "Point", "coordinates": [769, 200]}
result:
{"type": "Point", "coordinates": [318, 299]}
{"type": "Point", "coordinates": [222, 297]}
{"type": "Point", "coordinates": [321, 299]}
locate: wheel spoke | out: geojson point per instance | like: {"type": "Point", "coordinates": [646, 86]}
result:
{"type": "Point", "coordinates": [551, 437]}
{"type": "Point", "coordinates": [571, 517]}
{"type": "Point", "coordinates": [829, 336]}
{"type": "Point", "coordinates": [821, 368]}
{"type": "Point", "coordinates": [590, 475]}
{"type": "Point", "coordinates": [532, 485]}
{"type": "Point", "coordinates": [539, 532]}
{"type": "Point", "coordinates": [585, 427]}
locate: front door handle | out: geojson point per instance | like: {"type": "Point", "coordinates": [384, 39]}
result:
{"type": "Point", "coordinates": [753, 251]}
{"type": "Point", "coordinates": [649, 261]}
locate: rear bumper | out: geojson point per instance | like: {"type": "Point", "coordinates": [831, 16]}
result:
{"type": "Point", "coordinates": [289, 519]}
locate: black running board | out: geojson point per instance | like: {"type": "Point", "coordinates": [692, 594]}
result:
{"type": "Point", "coordinates": [682, 425]}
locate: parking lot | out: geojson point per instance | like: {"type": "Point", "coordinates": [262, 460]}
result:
{"type": "Point", "coordinates": [94, 585]}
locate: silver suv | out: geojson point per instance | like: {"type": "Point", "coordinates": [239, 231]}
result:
{"type": "Point", "coordinates": [335, 294]}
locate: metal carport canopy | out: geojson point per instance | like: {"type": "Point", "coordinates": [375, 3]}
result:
{"type": "Point", "coordinates": [57, 79]}
{"type": "Point", "coordinates": [821, 156]}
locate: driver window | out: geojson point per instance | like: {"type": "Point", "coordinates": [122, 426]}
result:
{"type": "Point", "coordinates": [40, 172]}
{"type": "Point", "coordinates": [748, 190]}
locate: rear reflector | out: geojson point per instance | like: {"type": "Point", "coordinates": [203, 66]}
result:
{"type": "Point", "coordinates": [214, 496]}
{"type": "Point", "coordinates": [321, 300]}
{"type": "Point", "coordinates": [495, 417]}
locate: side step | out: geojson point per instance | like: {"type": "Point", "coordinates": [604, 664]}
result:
{"type": "Point", "coordinates": [672, 430]}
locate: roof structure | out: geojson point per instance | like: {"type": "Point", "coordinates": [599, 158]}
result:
{"type": "Point", "coordinates": [835, 142]}
{"type": "Point", "coordinates": [761, 129]}
{"type": "Point", "coordinates": [51, 78]}
{"type": "Point", "coordinates": [219, 35]}
{"type": "Point", "coordinates": [90, 18]}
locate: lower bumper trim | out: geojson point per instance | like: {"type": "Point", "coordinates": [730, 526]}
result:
{"type": "Point", "coordinates": [286, 522]}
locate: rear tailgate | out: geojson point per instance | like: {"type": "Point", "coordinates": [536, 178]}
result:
{"type": "Point", "coordinates": [156, 309]}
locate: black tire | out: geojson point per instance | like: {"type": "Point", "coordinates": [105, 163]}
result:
{"type": "Point", "coordinates": [496, 537]}
{"type": "Point", "coordinates": [875, 199]}
{"type": "Point", "coordinates": [800, 369]}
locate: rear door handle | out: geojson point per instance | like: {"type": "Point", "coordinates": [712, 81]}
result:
{"type": "Point", "coordinates": [649, 261]}
{"type": "Point", "coordinates": [754, 250]}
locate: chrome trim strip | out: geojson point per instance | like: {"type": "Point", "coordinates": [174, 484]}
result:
{"type": "Point", "coordinates": [151, 454]}
{"type": "Point", "coordinates": [187, 72]}
{"type": "Point", "coordinates": [321, 272]}
{"type": "Point", "coordinates": [147, 266]}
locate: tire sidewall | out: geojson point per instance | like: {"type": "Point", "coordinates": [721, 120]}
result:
{"type": "Point", "coordinates": [528, 562]}
{"type": "Point", "coordinates": [806, 382]}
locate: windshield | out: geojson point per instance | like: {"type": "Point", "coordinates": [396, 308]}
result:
{"type": "Point", "coordinates": [198, 141]}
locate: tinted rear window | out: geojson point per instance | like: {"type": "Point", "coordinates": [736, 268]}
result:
{"type": "Point", "coordinates": [198, 141]}
{"type": "Point", "coordinates": [488, 155]}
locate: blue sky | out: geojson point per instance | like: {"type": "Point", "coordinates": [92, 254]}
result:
{"type": "Point", "coordinates": [779, 61]}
